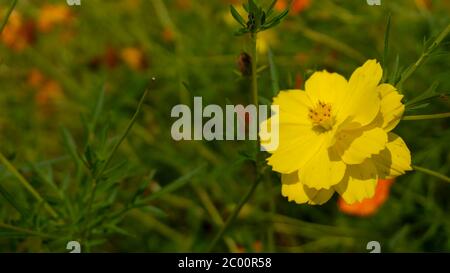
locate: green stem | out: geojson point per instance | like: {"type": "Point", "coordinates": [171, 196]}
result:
{"type": "Point", "coordinates": [254, 61]}
{"type": "Point", "coordinates": [215, 215]}
{"type": "Point", "coordinates": [432, 173]}
{"type": "Point", "coordinates": [424, 56]}
{"type": "Point", "coordinates": [95, 180]}
{"type": "Point", "coordinates": [270, 228]}
{"type": "Point", "coordinates": [8, 13]}
{"type": "Point", "coordinates": [12, 201]}
{"type": "Point", "coordinates": [425, 117]}
{"type": "Point", "coordinates": [125, 134]}
{"type": "Point", "coordinates": [234, 215]}
{"type": "Point", "coordinates": [27, 185]}
{"type": "Point", "coordinates": [329, 42]}
{"type": "Point", "coordinates": [26, 231]}
{"type": "Point", "coordinates": [258, 178]}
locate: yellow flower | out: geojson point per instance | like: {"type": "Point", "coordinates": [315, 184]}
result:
{"type": "Point", "coordinates": [336, 136]}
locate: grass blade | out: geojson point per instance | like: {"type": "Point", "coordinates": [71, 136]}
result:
{"type": "Point", "coordinates": [175, 185]}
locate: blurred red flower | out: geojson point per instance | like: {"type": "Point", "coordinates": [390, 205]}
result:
{"type": "Point", "coordinates": [18, 33]}
{"type": "Point", "coordinates": [297, 5]}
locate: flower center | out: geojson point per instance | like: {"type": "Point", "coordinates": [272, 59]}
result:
{"type": "Point", "coordinates": [321, 116]}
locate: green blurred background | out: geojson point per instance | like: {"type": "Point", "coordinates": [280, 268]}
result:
{"type": "Point", "coordinates": [56, 59]}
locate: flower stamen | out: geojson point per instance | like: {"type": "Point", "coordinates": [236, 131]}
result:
{"type": "Point", "coordinates": [321, 116]}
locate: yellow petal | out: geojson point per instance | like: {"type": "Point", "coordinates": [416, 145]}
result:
{"type": "Point", "coordinates": [293, 106]}
{"type": "Point", "coordinates": [289, 134]}
{"type": "Point", "coordinates": [318, 197]}
{"type": "Point", "coordinates": [323, 170]}
{"type": "Point", "coordinates": [391, 106]}
{"type": "Point", "coordinates": [294, 150]}
{"type": "Point", "coordinates": [354, 146]}
{"type": "Point", "coordinates": [330, 88]}
{"type": "Point", "coordinates": [290, 179]}
{"type": "Point", "coordinates": [395, 160]}
{"type": "Point", "coordinates": [359, 183]}
{"type": "Point", "coordinates": [363, 102]}
{"type": "Point", "coordinates": [292, 117]}
{"type": "Point", "coordinates": [300, 194]}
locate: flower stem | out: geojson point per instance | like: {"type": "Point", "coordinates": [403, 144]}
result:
{"type": "Point", "coordinates": [25, 231]}
{"type": "Point", "coordinates": [234, 215]}
{"type": "Point", "coordinates": [425, 117]}
{"type": "Point", "coordinates": [8, 13]}
{"type": "Point", "coordinates": [125, 133]}
{"type": "Point", "coordinates": [98, 177]}
{"type": "Point", "coordinates": [258, 177]}
{"type": "Point", "coordinates": [254, 56]}
{"type": "Point", "coordinates": [27, 185]}
{"type": "Point", "coordinates": [424, 56]}
{"type": "Point", "coordinates": [432, 173]}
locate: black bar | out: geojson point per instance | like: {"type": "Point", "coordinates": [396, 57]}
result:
{"type": "Point", "coordinates": [217, 262]}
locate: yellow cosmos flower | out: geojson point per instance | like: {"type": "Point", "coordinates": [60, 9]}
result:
{"type": "Point", "coordinates": [336, 136]}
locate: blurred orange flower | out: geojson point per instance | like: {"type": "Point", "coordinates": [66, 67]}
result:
{"type": "Point", "coordinates": [183, 4]}
{"type": "Point", "coordinates": [132, 5]}
{"type": "Point", "coordinates": [256, 246]}
{"type": "Point", "coordinates": [134, 58]}
{"type": "Point", "coordinates": [168, 35]}
{"type": "Point", "coordinates": [48, 91]}
{"type": "Point", "coordinates": [368, 206]}
{"type": "Point", "coordinates": [297, 5]}
{"type": "Point", "coordinates": [35, 78]}
{"type": "Point", "coordinates": [51, 15]}
{"type": "Point", "coordinates": [18, 34]}
{"type": "Point", "coordinates": [424, 4]}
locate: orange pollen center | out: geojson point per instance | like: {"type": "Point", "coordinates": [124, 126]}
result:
{"type": "Point", "coordinates": [321, 115]}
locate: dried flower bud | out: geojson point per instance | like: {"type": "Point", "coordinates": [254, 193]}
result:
{"type": "Point", "coordinates": [245, 64]}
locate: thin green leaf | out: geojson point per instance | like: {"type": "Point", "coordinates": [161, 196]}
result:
{"type": "Point", "coordinates": [270, 9]}
{"type": "Point", "coordinates": [241, 31]}
{"type": "Point", "coordinates": [253, 8]}
{"type": "Point", "coordinates": [424, 57]}
{"type": "Point", "coordinates": [180, 182]}
{"type": "Point", "coordinates": [273, 73]}
{"type": "Point", "coordinates": [8, 13]}
{"type": "Point", "coordinates": [237, 16]}
{"type": "Point", "coordinates": [282, 15]}
{"type": "Point", "coordinates": [159, 213]}
{"type": "Point", "coordinates": [98, 109]}
{"type": "Point", "coordinates": [69, 144]}
{"type": "Point", "coordinates": [421, 100]}
{"type": "Point", "coordinates": [124, 134]}
{"type": "Point", "coordinates": [13, 201]}
{"type": "Point", "coordinates": [394, 77]}
{"type": "Point", "coordinates": [271, 24]}
{"type": "Point", "coordinates": [143, 186]}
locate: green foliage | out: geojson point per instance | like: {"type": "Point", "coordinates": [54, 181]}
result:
{"type": "Point", "coordinates": [258, 18]}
